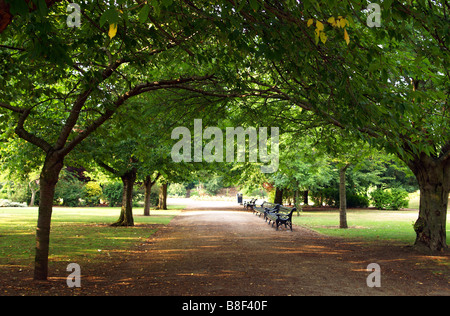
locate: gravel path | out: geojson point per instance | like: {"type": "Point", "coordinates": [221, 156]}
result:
{"type": "Point", "coordinates": [219, 249]}
{"type": "Point", "coordinates": [230, 252]}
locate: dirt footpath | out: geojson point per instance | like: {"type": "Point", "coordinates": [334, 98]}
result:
{"type": "Point", "coordinates": [224, 251]}
{"type": "Point", "coordinates": [238, 253]}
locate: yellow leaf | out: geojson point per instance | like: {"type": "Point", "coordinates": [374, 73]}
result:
{"type": "Point", "coordinates": [323, 37]}
{"type": "Point", "coordinates": [316, 36]}
{"type": "Point", "coordinates": [343, 22]}
{"type": "Point", "coordinates": [319, 26]}
{"type": "Point", "coordinates": [332, 21]}
{"type": "Point", "coordinates": [310, 22]}
{"type": "Point", "coordinates": [346, 37]}
{"type": "Point", "coordinates": [112, 30]}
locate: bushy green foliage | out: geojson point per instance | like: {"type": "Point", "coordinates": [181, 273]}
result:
{"type": "Point", "coordinates": [176, 189]}
{"type": "Point", "coordinates": [330, 196]}
{"type": "Point", "coordinates": [113, 193]}
{"type": "Point", "coordinates": [390, 199]}
{"type": "Point", "coordinates": [69, 191]}
{"type": "Point", "coordinates": [213, 185]}
{"type": "Point", "coordinates": [14, 191]}
{"type": "Point", "coordinates": [93, 192]}
{"type": "Point", "coordinates": [154, 198]}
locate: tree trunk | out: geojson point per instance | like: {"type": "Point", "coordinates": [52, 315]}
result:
{"type": "Point", "coordinates": [148, 184]}
{"type": "Point", "coordinates": [162, 205]}
{"type": "Point", "coordinates": [126, 212]}
{"type": "Point", "coordinates": [433, 176]}
{"type": "Point", "coordinates": [342, 198]}
{"type": "Point", "coordinates": [305, 197]}
{"type": "Point", "coordinates": [48, 180]}
{"type": "Point", "coordinates": [33, 190]}
{"type": "Point", "coordinates": [278, 196]}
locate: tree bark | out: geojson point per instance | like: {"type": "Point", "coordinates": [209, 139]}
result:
{"type": "Point", "coordinates": [433, 176]}
{"type": "Point", "coordinates": [305, 197]}
{"type": "Point", "coordinates": [148, 184]}
{"type": "Point", "coordinates": [278, 196]}
{"type": "Point", "coordinates": [162, 205]}
{"type": "Point", "coordinates": [48, 180]}
{"type": "Point", "coordinates": [126, 211]}
{"type": "Point", "coordinates": [342, 198]}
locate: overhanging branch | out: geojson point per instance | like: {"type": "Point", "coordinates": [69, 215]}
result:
{"type": "Point", "coordinates": [24, 134]}
{"type": "Point", "coordinates": [137, 90]}
{"type": "Point", "coordinates": [12, 108]}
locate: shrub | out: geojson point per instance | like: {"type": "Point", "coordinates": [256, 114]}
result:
{"type": "Point", "coordinates": [8, 203]}
{"type": "Point", "coordinates": [154, 198]}
{"type": "Point", "coordinates": [69, 191]}
{"type": "Point", "coordinates": [212, 186]}
{"type": "Point", "coordinates": [390, 199]}
{"type": "Point", "coordinates": [113, 193]}
{"type": "Point", "coordinates": [176, 189]}
{"type": "Point", "coordinates": [330, 196]}
{"type": "Point", "coordinates": [92, 193]}
{"type": "Point", "coordinates": [357, 200]}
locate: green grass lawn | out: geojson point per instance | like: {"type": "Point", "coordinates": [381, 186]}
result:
{"type": "Point", "coordinates": [76, 232]}
{"type": "Point", "coordinates": [368, 224]}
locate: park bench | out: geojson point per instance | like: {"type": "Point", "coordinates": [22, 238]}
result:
{"type": "Point", "coordinates": [264, 208]}
{"type": "Point", "coordinates": [281, 215]}
{"type": "Point", "coordinates": [250, 203]}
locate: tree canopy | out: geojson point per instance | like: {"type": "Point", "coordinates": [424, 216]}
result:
{"type": "Point", "coordinates": [298, 65]}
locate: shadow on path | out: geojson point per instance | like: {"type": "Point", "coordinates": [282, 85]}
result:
{"type": "Point", "coordinates": [225, 251]}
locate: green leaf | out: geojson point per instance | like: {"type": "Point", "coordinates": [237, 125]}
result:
{"type": "Point", "coordinates": [254, 4]}
{"type": "Point", "coordinates": [111, 16]}
{"type": "Point", "coordinates": [143, 14]}
{"type": "Point", "coordinates": [241, 5]}
{"type": "Point", "coordinates": [42, 7]}
{"type": "Point", "coordinates": [18, 7]}
{"type": "Point", "coordinates": [166, 3]}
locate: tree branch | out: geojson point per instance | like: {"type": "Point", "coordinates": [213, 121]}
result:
{"type": "Point", "coordinates": [107, 168]}
{"type": "Point", "coordinates": [22, 133]}
{"type": "Point", "coordinates": [138, 89]}
{"type": "Point", "coordinates": [79, 103]}
{"type": "Point", "coordinates": [12, 108]}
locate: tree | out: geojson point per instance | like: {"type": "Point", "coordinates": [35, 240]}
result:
{"type": "Point", "coordinates": [149, 182]}
{"type": "Point", "coordinates": [61, 84]}
{"type": "Point", "coordinates": [346, 151]}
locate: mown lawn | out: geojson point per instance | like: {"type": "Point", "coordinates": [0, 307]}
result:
{"type": "Point", "coordinates": [369, 224]}
{"type": "Point", "coordinates": [76, 232]}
